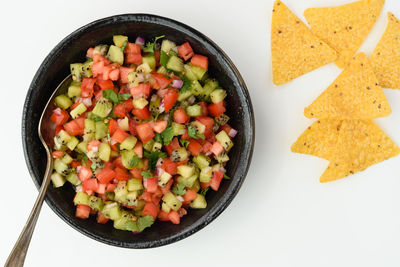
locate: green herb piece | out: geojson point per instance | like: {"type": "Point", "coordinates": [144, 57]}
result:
{"type": "Point", "coordinates": [172, 53]}
{"type": "Point", "coordinates": [144, 222]}
{"type": "Point", "coordinates": [192, 132]}
{"type": "Point", "coordinates": [147, 175]}
{"type": "Point", "coordinates": [85, 158]}
{"type": "Point", "coordinates": [179, 189]}
{"type": "Point", "coordinates": [95, 118]}
{"type": "Point", "coordinates": [124, 45]}
{"type": "Point", "coordinates": [186, 84]}
{"type": "Point", "coordinates": [204, 191]}
{"type": "Point", "coordinates": [93, 166]}
{"type": "Point", "coordinates": [131, 226]}
{"type": "Point", "coordinates": [226, 177]}
{"type": "Point", "coordinates": [111, 95]}
{"type": "Point", "coordinates": [151, 47]}
{"type": "Point", "coordinates": [158, 138]}
{"type": "Point", "coordinates": [153, 158]}
{"type": "Point", "coordinates": [167, 135]}
{"type": "Point", "coordinates": [184, 143]}
{"type": "Point", "coordinates": [123, 97]}
{"type": "Point", "coordinates": [164, 59]}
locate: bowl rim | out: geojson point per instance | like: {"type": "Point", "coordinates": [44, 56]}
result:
{"type": "Point", "coordinates": [228, 196]}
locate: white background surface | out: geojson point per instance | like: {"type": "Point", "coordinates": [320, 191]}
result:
{"type": "Point", "coordinates": [282, 216]}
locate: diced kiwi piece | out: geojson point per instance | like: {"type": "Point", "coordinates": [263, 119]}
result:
{"type": "Point", "coordinates": [221, 158]}
{"type": "Point", "coordinates": [100, 49]}
{"type": "Point", "coordinates": [148, 145]}
{"type": "Point", "coordinates": [72, 143]}
{"type": "Point", "coordinates": [77, 111]}
{"type": "Point", "coordinates": [87, 69]}
{"type": "Point", "coordinates": [177, 128]}
{"type": "Point", "coordinates": [185, 95]}
{"type": "Point", "coordinates": [67, 159]}
{"type": "Point", "coordinates": [194, 110]}
{"type": "Point", "coordinates": [132, 198]}
{"type": "Point", "coordinates": [154, 105]}
{"type": "Point", "coordinates": [63, 101]}
{"type": "Point", "coordinates": [121, 190]}
{"type": "Point", "coordinates": [110, 196]}
{"type": "Point", "coordinates": [209, 86]}
{"type": "Point", "coordinates": [129, 143]}
{"type": "Point", "coordinates": [223, 138]}
{"type": "Point", "coordinates": [62, 137]}
{"type": "Point", "coordinates": [200, 128]}
{"type": "Point", "coordinates": [104, 152]}
{"type": "Point", "coordinates": [188, 181]}
{"type": "Point", "coordinates": [101, 130]}
{"type": "Point", "coordinates": [112, 211]}
{"type": "Point", "coordinates": [73, 178]}
{"type": "Point", "coordinates": [150, 60]}
{"type": "Point", "coordinates": [90, 126]}
{"type": "Point", "coordinates": [201, 161]}
{"type": "Point", "coordinates": [103, 108]}
{"type": "Point", "coordinates": [123, 124]}
{"type": "Point", "coordinates": [172, 201]}
{"type": "Point", "coordinates": [60, 167]}
{"type": "Point", "coordinates": [162, 70]}
{"type": "Point", "coordinates": [199, 202]}
{"type": "Point", "coordinates": [197, 71]}
{"type": "Point", "coordinates": [179, 154]}
{"type": "Point", "coordinates": [88, 137]}
{"type": "Point", "coordinates": [167, 45]}
{"type": "Point", "coordinates": [76, 69]}
{"type": "Point", "coordinates": [119, 40]}
{"type": "Point", "coordinates": [206, 174]}
{"type": "Point", "coordinates": [134, 184]}
{"type": "Point", "coordinates": [218, 95]}
{"type": "Point", "coordinates": [222, 119]}
{"type": "Point", "coordinates": [81, 199]}
{"type": "Point", "coordinates": [57, 179]}
{"type": "Point", "coordinates": [156, 146]}
{"type": "Point", "coordinates": [115, 54]}
{"type": "Point", "coordinates": [186, 170]}
{"type": "Point", "coordinates": [74, 89]}
{"type": "Point", "coordinates": [165, 207]}
{"type": "Point", "coordinates": [189, 73]}
{"type": "Point", "coordinates": [196, 88]}
{"type": "Point", "coordinates": [164, 178]}
{"type": "Point", "coordinates": [140, 102]}
{"type": "Point", "coordinates": [82, 147]}
{"type": "Point", "coordinates": [175, 63]}
{"type": "Point", "coordinates": [96, 203]}
{"type": "Point", "coordinates": [129, 159]}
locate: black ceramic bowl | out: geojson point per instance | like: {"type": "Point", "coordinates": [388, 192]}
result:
{"type": "Point", "coordinates": [73, 49]}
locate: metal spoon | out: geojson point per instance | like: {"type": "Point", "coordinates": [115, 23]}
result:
{"type": "Point", "coordinates": [46, 134]}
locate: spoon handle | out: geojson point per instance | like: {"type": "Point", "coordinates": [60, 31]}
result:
{"type": "Point", "coordinates": [18, 254]}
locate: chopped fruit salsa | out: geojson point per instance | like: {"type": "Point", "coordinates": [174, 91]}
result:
{"type": "Point", "coordinates": [141, 133]}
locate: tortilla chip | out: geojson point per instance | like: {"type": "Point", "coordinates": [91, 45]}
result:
{"type": "Point", "coordinates": [361, 143]}
{"type": "Point", "coordinates": [295, 50]}
{"type": "Point", "coordinates": [385, 59]}
{"type": "Point", "coordinates": [344, 27]}
{"type": "Point", "coordinates": [355, 94]}
{"type": "Point", "coordinates": [319, 139]}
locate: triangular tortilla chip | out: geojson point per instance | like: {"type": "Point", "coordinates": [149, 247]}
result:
{"type": "Point", "coordinates": [385, 59]}
{"type": "Point", "coordinates": [344, 27]}
{"type": "Point", "coordinates": [355, 94]}
{"type": "Point", "coordinates": [361, 143]}
{"type": "Point", "coordinates": [319, 139]}
{"type": "Point", "coordinates": [295, 50]}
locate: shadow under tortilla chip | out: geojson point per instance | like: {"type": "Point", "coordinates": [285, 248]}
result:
{"type": "Point", "coordinates": [355, 94]}
{"type": "Point", "coordinates": [361, 143]}
{"type": "Point", "coordinates": [385, 59]}
{"type": "Point", "coordinates": [344, 27]}
{"type": "Point", "coordinates": [295, 49]}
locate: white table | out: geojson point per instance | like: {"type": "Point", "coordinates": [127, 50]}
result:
{"type": "Point", "coordinates": [282, 216]}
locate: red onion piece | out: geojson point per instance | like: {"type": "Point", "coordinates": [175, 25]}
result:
{"type": "Point", "coordinates": [140, 40]}
{"type": "Point", "coordinates": [78, 169]}
{"type": "Point", "coordinates": [57, 111]}
{"type": "Point", "coordinates": [232, 133]}
{"type": "Point", "coordinates": [87, 101]}
{"type": "Point", "coordinates": [175, 49]}
{"type": "Point", "coordinates": [177, 84]}
{"type": "Point", "coordinates": [191, 99]}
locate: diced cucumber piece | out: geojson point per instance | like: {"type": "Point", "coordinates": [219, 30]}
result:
{"type": "Point", "coordinates": [201, 161]}
{"type": "Point", "coordinates": [162, 70]}
{"type": "Point", "coordinates": [165, 207]}
{"type": "Point", "coordinates": [81, 199]}
{"type": "Point", "coordinates": [186, 170]}
{"type": "Point", "coordinates": [76, 69]}
{"type": "Point", "coordinates": [90, 126]}
{"type": "Point", "coordinates": [63, 101]}
{"type": "Point", "coordinates": [164, 178]}
{"type": "Point", "coordinates": [101, 130]}
{"type": "Point", "coordinates": [197, 71]}
{"type": "Point", "coordinates": [103, 108]}
{"type": "Point", "coordinates": [74, 89]}
{"type": "Point", "coordinates": [119, 40]}
{"type": "Point", "coordinates": [73, 178]}
{"type": "Point", "coordinates": [196, 88]}
{"type": "Point", "coordinates": [218, 95]}
{"type": "Point", "coordinates": [115, 54]}
{"type": "Point", "coordinates": [132, 198]}
{"type": "Point", "coordinates": [199, 202]}
{"type": "Point", "coordinates": [67, 159]}
{"type": "Point", "coordinates": [100, 49]}
{"type": "Point", "coordinates": [206, 174]}
{"type": "Point", "coordinates": [96, 203]}
{"type": "Point", "coordinates": [135, 184]}
{"type": "Point", "coordinates": [104, 152]}
{"type": "Point", "coordinates": [148, 145]}
{"type": "Point", "coordinates": [175, 63]}
{"type": "Point", "coordinates": [112, 211]}
{"type": "Point", "coordinates": [82, 147]}
{"type": "Point", "coordinates": [156, 146]}
{"type": "Point", "coordinates": [185, 95]}
{"type": "Point", "coordinates": [150, 60]}
{"type": "Point", "coordinates": [72, 143]}
{"type": "Point", "coordinates": [179, 154]}
{"type": "Point", "coordinates": [140, 102]}
{"type": "Point", "coordinates": [188, 181]}
{"type": "Point", "coordinates": [223, 138]}
{"type": "Point", "coordinates": [200, 128]}
{"type": "Point", "coordinates": [60, 167]}
{"type": "Point", "coordinates": [194, 110]}
{"type": "Point", "coordinates": [87, 69]}
{"type": "Point", "coordinates": [177, 129]}
{"type": "Point", "coordinates": [221, 158]}
{"type": "Point", "coordinates": [172, 201]}
{"type": "Point", "coordinates": [129, 159]}
{"type": "Point", "coordinates": [121, 191]}
{"type": "Point", "coordinates": [129, 143]}
{"type": "Point", "coordinates": [57, 179]}
{"type": "Point", "coordinates": [77, 111]}
{"type": "Point", "coordinates": [167, 45]}
{"type": "Point", "coordinates": [189, 73]}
